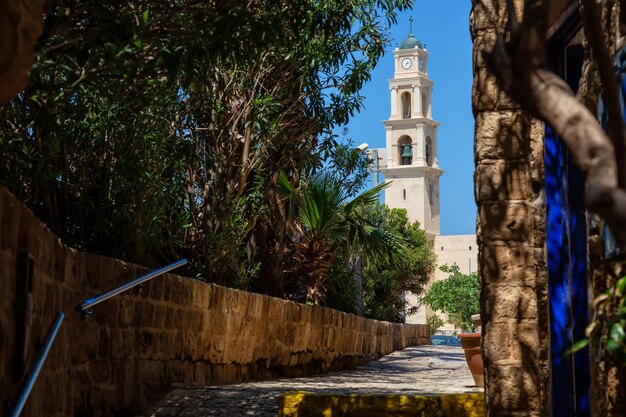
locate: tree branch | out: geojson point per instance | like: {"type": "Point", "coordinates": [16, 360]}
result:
{"type": "Point", "coordinates": [518, 66]}
{"type": "Point", "coordinates": [610, 88]}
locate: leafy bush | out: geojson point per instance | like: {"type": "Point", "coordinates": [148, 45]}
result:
{"type": "Point", "coordinates": [434, 323]}
{"type": "Point", "coordinates": [458, 296]}
{"type": "Point", "coordinates": [386, 283]}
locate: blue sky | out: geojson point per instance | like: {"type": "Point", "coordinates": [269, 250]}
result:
{"type": "Point", "coordinates": [443, 26]}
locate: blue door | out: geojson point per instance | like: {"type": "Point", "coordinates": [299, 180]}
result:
{"type": "Point", "coordinates": [566, 230]}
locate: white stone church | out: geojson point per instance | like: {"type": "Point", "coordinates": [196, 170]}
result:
{"type": "Point", "coordinates": [409, 161]}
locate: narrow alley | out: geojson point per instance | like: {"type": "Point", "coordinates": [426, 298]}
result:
{"type": "Point", "coordinates": [419, 370]}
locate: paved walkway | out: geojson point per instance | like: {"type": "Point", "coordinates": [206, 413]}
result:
{"type": "Point", "coordinates": [419, 370]}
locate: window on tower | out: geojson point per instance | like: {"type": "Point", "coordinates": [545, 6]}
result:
{"type": "Point", "coordinates": [429, 152]}
{"type": "Point", "coordinates": [406, 105]}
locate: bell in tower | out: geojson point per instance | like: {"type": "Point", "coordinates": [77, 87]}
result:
{"type": "Point", "coordinates": [406, 157]}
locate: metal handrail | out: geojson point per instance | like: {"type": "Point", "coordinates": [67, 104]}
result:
{"type": "Point", "coordinates": [37, 365]}
{"type": "Point", "coordinates": [90, 302]}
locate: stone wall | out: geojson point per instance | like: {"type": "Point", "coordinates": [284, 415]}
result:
{"type": "Point", "coordinates": [509, 184]}
{"type": "Point", "coordinates": [176, 330]}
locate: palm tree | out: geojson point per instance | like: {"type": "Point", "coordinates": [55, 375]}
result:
{"type": "Point", "coordinates": [323, 220]}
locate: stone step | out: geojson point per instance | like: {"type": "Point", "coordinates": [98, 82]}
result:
{"type": "Point", "coordinates": [307, 404]}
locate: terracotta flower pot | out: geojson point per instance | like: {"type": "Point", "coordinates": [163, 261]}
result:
{"type": "Point", "coordinates": [471, 345]}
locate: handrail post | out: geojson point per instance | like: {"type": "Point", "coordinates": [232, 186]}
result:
{"type": "Point", "coordinates": [37, 365]}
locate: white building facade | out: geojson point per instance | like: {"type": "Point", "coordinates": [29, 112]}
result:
{"type": "Point", "coordinates": [409, 161]}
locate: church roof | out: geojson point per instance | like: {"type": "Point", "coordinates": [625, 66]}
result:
{"type": "Point", "coordinates": [411, 42]}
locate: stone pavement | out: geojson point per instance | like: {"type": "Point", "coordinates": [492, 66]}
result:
{"type": "Point", "coordinates": [419, 370]}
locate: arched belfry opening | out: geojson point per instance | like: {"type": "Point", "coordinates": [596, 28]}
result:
{"type": "Point", "coordinates": [405, 149]}
{"type": "Point", "coordinates": [430, 157]}
{"type": "Point", "coordinates": [406, 105]}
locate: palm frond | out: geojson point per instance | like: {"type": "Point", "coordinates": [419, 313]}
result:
{"type": "Point", "coordinates": [367, 197]}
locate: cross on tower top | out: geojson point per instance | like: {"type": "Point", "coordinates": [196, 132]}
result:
{"type": "Point", "coordinates": [411, 24]}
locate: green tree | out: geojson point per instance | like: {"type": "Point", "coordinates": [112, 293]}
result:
{"type": "Point", "coordinates": [325, 221]}
{"type": "Point", "coordinates": [457, 296]}
{"type": "Point", "coordinates": [385, 283]}
{"type": "Point", "coordinates": [150, 132]}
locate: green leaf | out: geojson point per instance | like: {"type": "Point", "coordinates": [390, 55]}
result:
{"type": "Point", "coordinates": [616, 350]}
{"type": "Point", "coordinates": [577, 346]}
{"type": "Point", "coordinates": [620, 286]}
{"type": "Point", "coordinates": [617, 333]}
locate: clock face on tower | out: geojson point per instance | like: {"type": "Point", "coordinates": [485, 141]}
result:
{"type": "Point", "coordinates": [421, 64]}
{"type": "Point", "coordinates": [406, 63]}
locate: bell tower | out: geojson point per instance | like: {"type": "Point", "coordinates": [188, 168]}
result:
{"type": "Point", "coordinates": [409, 159]}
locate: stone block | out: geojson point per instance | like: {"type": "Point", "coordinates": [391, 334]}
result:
{"type": "Point", "coordinates": [498, 180]}
{"type": "Point", "coordinates": [128, 343]}
{"type": "Point", "coordinates": [506, 221]}
{"type": "Point", "coordinates": [160, 315]}
{"type": "Point", "coordinates": [106, 313]}
{"type": "Point", "coordinates": [11, 219]}
{"type": "Point", "coordinates": [104, 343]}
{"type": "Point", "coordinates": [116, 343]}
{"type": "Point", "coordinates": [83, 340]}
{"type": "Point", "coordinates": [486, 95]}
{"type": "Point", "coordinates": [151, 381]}
{"type": "Point", "coordinates": [101, 371]}
{"type": "Point", "coordinates": [512, 342]}
{"type": "Point", "coordinates": [139, 314]}
{"type": "Point", "coordinates": [58, 259]}
{"type": "Point", "coordinates": [145, 344]}
{"type": "Point", "coordinates": [254, 307]}
{"type": "Point", "coordinates": [511, 264]}
{"type": "Point", "coordinates": [502, 135]}
{"type": "Point", "coordinates": [199, 374]}
{"type": "Point", "coordinates": [126, 310]}
{"type": "Point", "coordinates": [73, 269]}
{"type": "Point", "coordinates": [516, 390]}
{"type": "Point", "coordinates": [46, 292]}
{"type": "Point", "coordinates": [55, 392]}
{"type": "Point", "coordinates": [127, 383]}
{"type": "Point", "coordinates": [81, 389]}
{"type": "Point", "coordinates": [275, 312]}
{"type": "Point", "coordinates": [155, 289]}
{"type": "Point", "coordinates": [490, 14]}
{"type": "Point", "coordinates": [101, 398]}
{"type": "Point", "coordinates": [94, 280]}
{"type": "Point", "coordinates": [183, 293]}
{"type": "Point", "coordinates": [170, 318]}
{"type": "Point", "coordinates": [537, 144]}
{"type": "Point", "coordinates": [167, 291]}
